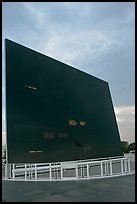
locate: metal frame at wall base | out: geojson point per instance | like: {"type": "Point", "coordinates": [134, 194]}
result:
{"type": "Point", "coordinates": [72, 170]}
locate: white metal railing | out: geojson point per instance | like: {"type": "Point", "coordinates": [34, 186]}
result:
{"type": "Point", "coordinates": [73, 170]}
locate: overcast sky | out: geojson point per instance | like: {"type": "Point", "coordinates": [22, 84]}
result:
{"type": "Point", "coordinates": [95, 37]}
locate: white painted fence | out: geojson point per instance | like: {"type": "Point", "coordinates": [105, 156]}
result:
{"type": "Point", "coordinates": [72, 170]}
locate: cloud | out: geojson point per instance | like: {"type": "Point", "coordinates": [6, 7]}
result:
{"type": "Point", "coordinates": [3, 138]}
{"type": "Point", "coordinates": [37, 16]}
{"type": "Point", "coordinates": [124, 110]}
{"type": "Point", "coordinates": [3, 126]}
{"type": "Point", "coordinates": [73, 49]}
{"type": "Point", "coordinates": [125, 116]}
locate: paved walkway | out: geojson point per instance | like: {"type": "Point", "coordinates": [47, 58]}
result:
{"type": "Point", "coordinates": [117, 189]}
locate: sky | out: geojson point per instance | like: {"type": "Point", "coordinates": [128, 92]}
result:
{"type": "Point", "coordinates": [95, 37]}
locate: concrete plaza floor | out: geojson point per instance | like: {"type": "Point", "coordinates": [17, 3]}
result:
{"type": "Point", "coordinates": [116, 189]}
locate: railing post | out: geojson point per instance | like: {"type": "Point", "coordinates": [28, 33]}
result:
{"type": "Point", "coordinates": [101, 169]}
{"type": "Point", "coordinates": [57, 172]}
{"type": "Point", "coordinates": [54, 172]}
{"type": "Point", "coordinates": [10, 171]}
{"type": "Point", "coordinates": [50, 172]}
{"type": "Point", "coordinates": [61, 172]}
{"type": "Point", "coordinates": [6, 172]}
{"type": "Point", "coordinates": [31, 171]}
{"type": "Point", "coordinates": [35, 172]}
{"type": "Point", "coordinates": [107, 168]}
{"type": "Point", "coordinates": [122, 171]}
{"type": "Point", "coordinates": [125, 164]}
{"type": "Point", "coordinates": [129, 165]}
{"type": "Point", "coordinates": [111, 167]}
{"type": "Point", "coordinates": [81, 169]}
{"type": "Point", "coordinates": [87, 170]}
{"type": "Point", "coordinates": [25, 172]}
{"type": "Point", "coordinates": [76, 171]}
{"type": "Point", "coordinates": [13, 171]}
